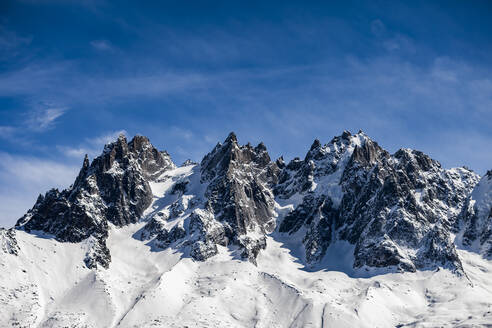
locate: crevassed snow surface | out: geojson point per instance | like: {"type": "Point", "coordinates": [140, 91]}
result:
{"type": "Point", "coordinates": [47, 285]}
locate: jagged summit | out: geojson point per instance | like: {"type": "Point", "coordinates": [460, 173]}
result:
{"type": "Point", "coordinates": [113, 188]}
{"type": "Point", "coordinates": [240, 240]}
{"type": "Point", "coordinates": [396, 210]}
{"type": "Point", "coordinates": [235, 209]}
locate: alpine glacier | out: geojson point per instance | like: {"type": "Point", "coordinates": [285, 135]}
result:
{"type": "Point", "coordinates": [349, 236]}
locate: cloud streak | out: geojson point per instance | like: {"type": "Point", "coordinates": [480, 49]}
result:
{"type": "Point", "coordinates": [30, 176]}
{"type": "Point", "coordinates": [90, 146]}
{"type": "Point", "coordinates": [43, 119]}
{"type": "Point", "coordinates": [381, 95]}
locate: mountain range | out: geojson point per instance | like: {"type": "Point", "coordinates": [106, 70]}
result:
{"type": "Point", "coordinates": [348, 236]}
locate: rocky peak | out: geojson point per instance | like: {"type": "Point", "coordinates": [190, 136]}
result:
{"type": "Point", "coordinates": [368, 153]}
{"type": "Point", "coordinates": [114, 151]}
{"type": "Point", "coordinates": [321, 161]}
{"type": "Point", "coordinates": [238, 198]}
{"type": "Point", "coordinates": [237, 209]}
{"type": "Point", "coordinates": [113, 188]}
{"type": "Point", "coordinates": [241, 174]}
{"type": "Point", "coordinates": [82, 173]}
{"type": "Point", "coordinates": [316, 144]}
{"type": "Point", "coordinates": [152, 161]}
{"type": "Point", "coordinates": [415, 160]}
{"type": "Point", "coordinates": [231, 139]}
{"type": "Point", "coordinates": [396, 210]}
{"type": "Point", "coordinates": [229, 156]}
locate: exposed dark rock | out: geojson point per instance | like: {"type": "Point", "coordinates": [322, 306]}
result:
{"type": "Point", "coordinates": [8, 242]}
{"type": "Point", "coordinates": [188, 162]}
{"type": "Point", "coordinates": [397, 210]}
{"type": "Point", "coordinates": [113, 188]}
{"type": "Point", "coordinates": [98, 254]}
{"type": "Point", "coordinates": [239, 192]}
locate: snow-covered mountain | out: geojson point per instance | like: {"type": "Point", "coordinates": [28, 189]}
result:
{"type": "Point", "coordinates": [349, 236]}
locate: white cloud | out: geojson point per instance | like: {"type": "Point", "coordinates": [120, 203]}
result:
{"type": "Point", "coordinates": [24, 178]}
{"type": "Point", "coordinates": [44, 119]}
{"type": "Point", "coordinates": [56, 81]}
{"type": "Point", "coordinates": [75, 152]}
{"type": "Point", "coordinates": [105, 138]}
{"type": "Point", "coordinates": [91, 146]}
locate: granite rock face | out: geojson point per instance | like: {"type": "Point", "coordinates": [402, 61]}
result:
{"type": "Point", "coordinates": [114, 188]}
{"type": "Point", "coordinates": [398, 210]}
{"type": "Point", "coordinates": [240, 179]}
{"type": "Point", "coordinates": [235, 209]}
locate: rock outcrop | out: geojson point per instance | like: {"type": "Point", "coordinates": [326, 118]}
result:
{"type": "Point", "coordinates": [114, 188]}
{"type": "Point", "coordinates": [8, 242]}
{"type": "Point", "coordinates": [236, 208]}
{"type": "Point", "coordinates": [397, 210]}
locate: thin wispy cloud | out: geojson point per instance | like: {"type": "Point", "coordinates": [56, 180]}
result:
{"type": "Point", "coordinates": [379, 93]}
{"type": "Point", "coordinates": [57, 82]}
{"type": "Point", "coordinates": [24, 178]}
{"type": "Point", "coordinates": [91, 146]}
{"type": "Point", "coordinates": [43, 119]}
{"type": "Point", "coordinates": [6, 131]}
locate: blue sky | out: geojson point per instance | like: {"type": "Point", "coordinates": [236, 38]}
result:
{"type": "Point", "coordinates": [73, 74]}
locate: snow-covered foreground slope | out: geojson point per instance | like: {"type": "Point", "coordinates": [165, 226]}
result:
{"type": "Point", "coordinates": [47, 285]}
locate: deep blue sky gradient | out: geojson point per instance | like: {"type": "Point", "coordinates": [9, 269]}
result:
{"type": "Point", "coordinates": [73, 74]}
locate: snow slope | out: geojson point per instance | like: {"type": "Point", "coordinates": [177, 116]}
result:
{"type": "Point", "coordinates": [142, 288]}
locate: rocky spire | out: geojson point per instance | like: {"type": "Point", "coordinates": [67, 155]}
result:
{"type": "Point", "coordinates": [83, 171]}
{"type": "Point", "coordinates": [397, 210]}
{"type": "Point", "coordinates": [238, 194]}
{"type": "Point", "coordinates": [113, 188]}
{"type": "Point", "coordinates": [354, 190]}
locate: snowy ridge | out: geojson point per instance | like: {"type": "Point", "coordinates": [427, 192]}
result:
{"type": "Point", "coordinates": [351, 236]}
{"type": "Point", "coordinates": [398, 210]}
